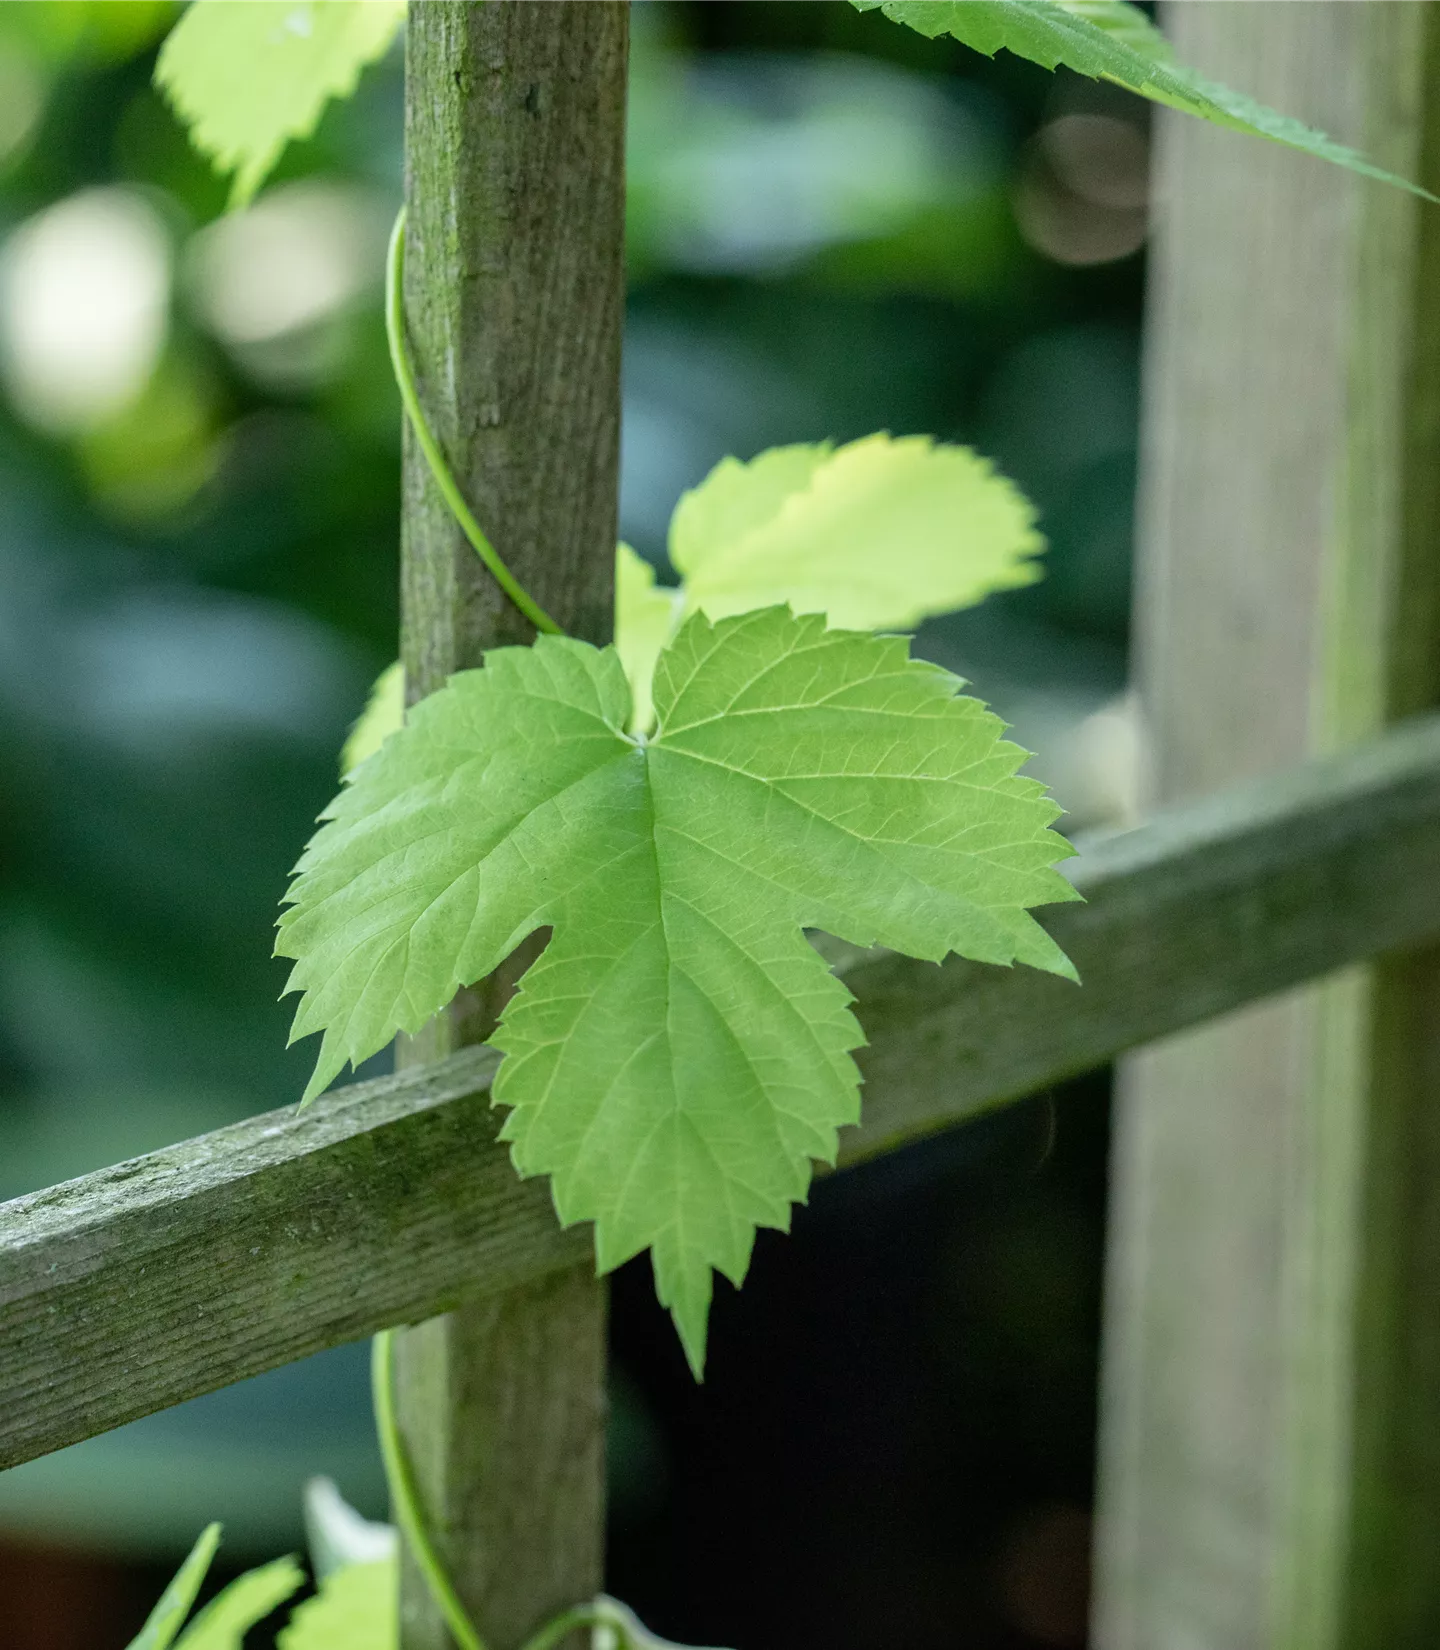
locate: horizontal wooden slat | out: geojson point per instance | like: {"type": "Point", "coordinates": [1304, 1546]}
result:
{"type": "Point", "coordinates": [148, 1283]}
{"type": "Point", "coordinates": [1201, 910]}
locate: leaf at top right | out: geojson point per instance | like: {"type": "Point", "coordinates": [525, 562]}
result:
{"type": "Point", "coordinates": [1113, 40]}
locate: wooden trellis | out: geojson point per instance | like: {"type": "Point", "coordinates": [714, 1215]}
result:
{"type": "Point", "coordinates": [391, 1202]}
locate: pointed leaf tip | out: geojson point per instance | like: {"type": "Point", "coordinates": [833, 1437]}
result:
{"type": "Point", "coordinates": [168, 1616]}
{"type": "Point", "coordinates": [1115, 41]}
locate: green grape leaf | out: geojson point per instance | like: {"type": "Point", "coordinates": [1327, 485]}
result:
{"type": "Point", "coordinates": [225, 1620]}
{"type": "Point", "coordinates": [246, 78]}
{"type": "Point", "coordinates": [384, 712]}
{"type": "Point", "coordinates": [877, 535]}
{"type": "Point", "coordinates": [357, 1608]}
{"type": "Point", "coordinates": [165, 1620]}
{"type": "Point", "coordinates": [679, 1054]}
{"type": "Point", "coordinates": [646, 615]}
{"type": "Point", "coordinates": [1112, 40]}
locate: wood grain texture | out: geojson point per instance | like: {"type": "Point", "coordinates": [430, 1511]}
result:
{"type": "Point", "coordinates": [1268, 1327]}
{"type": "Point", "coordinates": [515, 192]}
{"type": "Point", "coordinates": [516, 1473]}
{"type": "Point", "coordinates": [389, 1201]}
{"type": "Point", "coordinates": [514, 295]}
{"type": "Point", "coordinates": [201, 1264]}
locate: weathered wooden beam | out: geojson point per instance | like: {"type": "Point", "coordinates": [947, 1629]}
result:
{"type": "Point", "coordinates": [1269, 1471]}
{"type": "Point", "coordinates": [389, 1201]}
{"type": "Point", "coordinates": [515, 297]}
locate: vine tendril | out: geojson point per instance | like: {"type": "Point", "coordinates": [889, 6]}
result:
{"type": "Point", "coordinates": [556, 1632]}
{"type": "Point", "coordinates": [405, 1499]}
{"type": "Point", "coordinates": [434, 457]}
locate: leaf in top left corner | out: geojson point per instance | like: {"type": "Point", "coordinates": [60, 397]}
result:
{"type": "Point", "coordinates": [247, 77]}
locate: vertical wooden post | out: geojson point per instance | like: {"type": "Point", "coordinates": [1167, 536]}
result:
{"type": "Point", "coordinates": [1270, 1473]}
{"type": "Point", "coordinates": [514, 130]}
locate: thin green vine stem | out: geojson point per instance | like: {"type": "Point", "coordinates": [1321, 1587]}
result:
{"type": "Point", "coordinates": [434, 457]}
{"type": "Point", "coordinates": [405, 1499]}
{"type": "Point", "coordinates": [557, 1631]}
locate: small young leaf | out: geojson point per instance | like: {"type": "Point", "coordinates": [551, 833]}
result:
{"type": "Point", "coordinates": [225, 1620]}
{"type": "Point", "coordinates": [165, 1620]}
{"type": "Point", "coordinates": [357, 1608]}
{"type": "Point", "coordinates": [1113, 40]}
{"type": "Point", "coordinates": [877, 535]}
{"type": "Point", "coordinates": [679, 1054]}
{"type": "Point", "coordinates": [246, 78]}
{"type": "Point", "coordinates": [384, 712]}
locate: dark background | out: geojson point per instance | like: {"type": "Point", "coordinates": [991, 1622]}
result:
{"type": "Point", "coordinates": [836, 227]}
